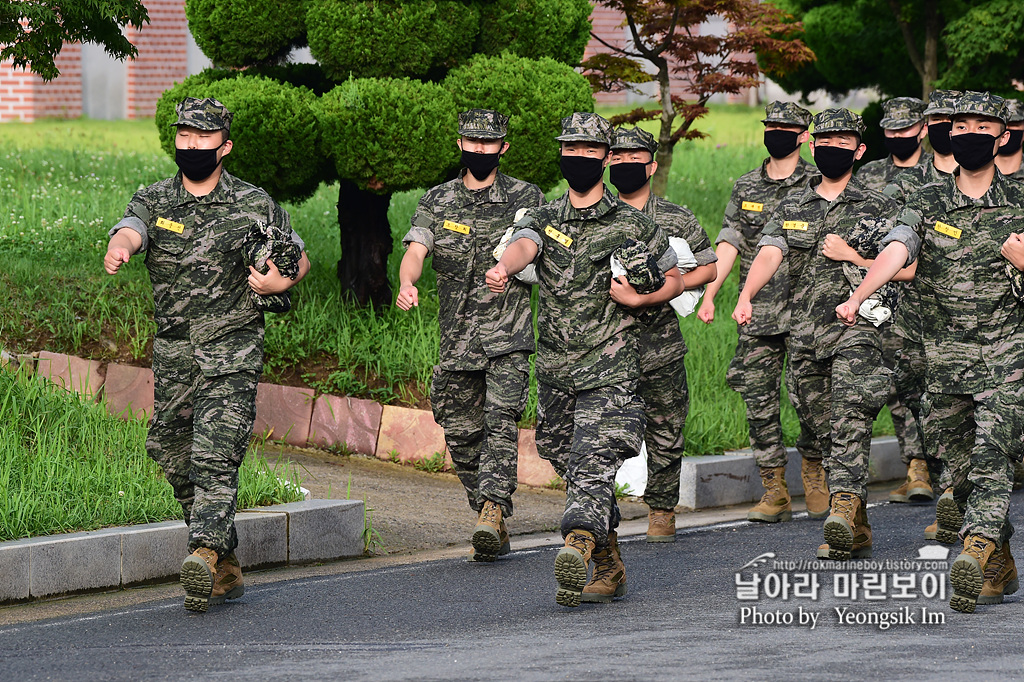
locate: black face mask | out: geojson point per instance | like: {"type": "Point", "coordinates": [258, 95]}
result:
{"type": "Point", "coordinates": [197, 164]}
{"type": "Point", "coordinates": [902, 147]}
{"type": "Point", "coordinates": [581, 172]}
{"type": "Point", "coordinates": [628, 177]}
{"type": "Point", "coordinates": [1011, 147]}
{"type": "Point", "coordinates": [973, 150]}
{"type": "Point", "coordinates": [480, 165]}
{"type": "Point", "coordinates": [833, 162]}
{"type": "Point", "coordinates": [938, 135]}
{"type": "Point", "coordinates": [781, 143]}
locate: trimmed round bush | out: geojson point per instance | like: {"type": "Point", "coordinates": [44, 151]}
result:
{"type": "Point", "coordinates": [559, 29]}
{"type": "Point", "coordinates": [239, 33]}
{"type": "Point", "coordinates": [382, 38]}
{"type": "Point", "coordinates": [398, 132]}
{"type": "Point", "coordinates": [535, 94]}
{"type": "Point", "coordinates": [274, 130]}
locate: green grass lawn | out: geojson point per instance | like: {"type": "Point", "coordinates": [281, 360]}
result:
{"type": "Point", "coordinates": [67, 182]}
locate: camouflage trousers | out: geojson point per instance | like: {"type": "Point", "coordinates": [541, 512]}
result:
{"type": "Point", "coordinates": [901, 397]}
{"type": "Point", "coordinates": [909, 381]}
{"type": "Point", "coordinates": [479, 412]}
{"type": "Point", "coordinates": [587, 435]}
{"type": "Point", "coordinates": [755, 372]}
{"type": "Point", "coordinates": [198, 436]}
{"type": "Point", "coordinates": [978, 437]}
{"type": "Point", "coordinates": [838, 399]}
{"type": "Point", "coordinates": [665, 394]}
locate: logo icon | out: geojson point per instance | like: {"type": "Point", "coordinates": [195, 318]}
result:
{"type": "Point", "coordinates": [759, 560]}
{"type": "Point", "coordinates": [933, 553]}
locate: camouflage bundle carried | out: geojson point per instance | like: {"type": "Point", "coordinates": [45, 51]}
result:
{"type": "Point", "coordinates": [262, 243]}
{"type": "Point", "coordinates": [1016, 280]}
{"type": "Point", "coordinates": [638, 264]}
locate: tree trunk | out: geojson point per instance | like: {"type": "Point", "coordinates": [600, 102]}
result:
{"type": "Point", "coordinates": [365, 245]}
{"type": "Point", "coordinates": [931, 48]}
{"type": "Point", "coordinates": [659, 183]}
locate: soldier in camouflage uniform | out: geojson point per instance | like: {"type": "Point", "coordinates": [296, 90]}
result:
{"type": "Point", "coordinates": [481, 382]}
{"type": "Point", "coordinates": [837, 372]}
{"type": "Point", "coordinates": [904, 129]}
{"type": "Point", "coordinates": [208, 348]}
{"type": "Point", "coordinates": [590, 418]}
{"type": "Point", "coordinates": [662, 349]}
{"type": "Point", "coordinates": [756, 369]}
{"type": "Point", "coordinates": [1008, 161]}
{"type": "Point", "coordinates": [961, 235]}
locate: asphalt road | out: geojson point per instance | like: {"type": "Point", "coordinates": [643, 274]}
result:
{"type": "Point", "coordinates": [448, 619]}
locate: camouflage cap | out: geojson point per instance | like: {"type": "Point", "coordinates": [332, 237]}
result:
{"type": "Point", "coordinates": [980, 104]}
{"type": "Point", "coordinates": [585, 126]}
{"type": "Point", "coordinates": [483, 124]}
{"type": "Point", "coordinates": [634, 138]}
{"type": "Point", "coordinates": [786, 113]}
{"type": "Point", "coordinates": [838, 121]}
{"type": "Point", "coordinates": [1013, 110]}
{"type": "Point", "coordinates": [901, 112]}
{"type": "Point", "coordinates": [203, 114]}
{"type": "Point", "coordinates": [941, 102]}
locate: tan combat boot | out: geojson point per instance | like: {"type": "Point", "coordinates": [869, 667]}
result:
{"type": "Point", "coordinates": [948, 520]}
{"type": "Point", "coordinates": [196, 578]}
{"type": "Point", "coordinates": [1000, 577]}
{"type": "Point", "coordinates": [967, 574]}
{"type": "Point", "coordinates": [661, 525]}
{"type": "Point", "coordinates": [861, 548]}
{"type": "Point", "coordinates": [775, 504]}
{"type": "Point", "coordinates": [487, 539]}
{"type": "Point", "coordinates": [919, 484]}
{"type": "Point", "coordinates": [608, 580]}
{"type": "Point", "coordinates": [571, 566]}
{"type": "Point", "coordinates": [815, 488]}
{"type": "Point", "coordinates": [900, 494]}
{"type": "Point", "coordinates": [506, 547]}
{"type": "Point", "coordinates": [227, 582]}
{"type": "Point", "coordinates": [840, 526]}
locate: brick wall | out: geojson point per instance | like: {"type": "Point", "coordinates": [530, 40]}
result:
{"type": "Point", "coordinates": [25, 97]}
{"type": "Point", "coordinates": [163, 56]}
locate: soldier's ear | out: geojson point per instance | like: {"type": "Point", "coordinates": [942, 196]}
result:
{"type": "Point", "coordinates": [226, 149]}
{"type": "Point", "coordinates": [861, 148]}
{"type": "Point", "coordinates": [803, 137]}
{"type": "Point", "coordinates": [504, 147]}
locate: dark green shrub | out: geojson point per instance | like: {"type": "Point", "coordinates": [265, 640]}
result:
{"type": "Point", "coordinates": [276, 141]}
{"type": "Point", "coordinates": [559, 29]}
{"type": "Point", "coordinates": [535, 94]}
{"type": "Point", "coordinates": [382, 38]}
{"type": "Point", "coordinates": [240, 33]}
{"type": "Point", "coordinates": [401, 132]}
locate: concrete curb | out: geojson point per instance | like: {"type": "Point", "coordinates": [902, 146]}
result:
{"type": "Point", "coordinates": [113, 558]}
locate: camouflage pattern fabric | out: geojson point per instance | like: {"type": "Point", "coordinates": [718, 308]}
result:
{"type": "Point", "coordinates": [837, 121]}
{"type": "Point", "coordinates": [756, 374]}
{"type": "Point", "coordinates": [587, 435]}
{"type": "Point", "coordinates": [904, 393]}
{"type": "Point", "coordinates": [901, 112]}
{"type": "Point", "coordinates": [263, 243]}
{"type": "Point", "coordinates": [479, 411]}
{"type": "Point", "coordinates": [634, 138]}
{"type": "Point", "coordinates": [586, 340]}
{"type": "Point", "coordinates": [940, 102]}
{"type": "Point", "coordinates": [203, 114]}
{"type": "Point", "coordinates": [1013, 111]}
{"type": "Point", "coordinates": [981, 104]}
{"type": "Point", "coordinates": [755, 196]}
{"type": "Point", "coordinates": [483, 124]}
{"type": "Point", "coordinates": [585, 126]}
{"type": "Point", "coordinates": [208, 348]}
{"type": "Point", "coordinates": [1016, 278]}
{"type": "Point", "coordinates": [880, 173]}
{"type": "Point", "coordinates": [786, 113]}
{"type": "Point", "coordinates": [667, 400]}
{"type": "Point", "coordinates": [199, 435]}
{"type": "Point", "coordinates": [798, 227]}
{"type": "Point", "coordinates": [887, 296]}
{"type": "Point", "coordinates": [460, 228]}
{"type": "Point", "coordinates": [642, 270]}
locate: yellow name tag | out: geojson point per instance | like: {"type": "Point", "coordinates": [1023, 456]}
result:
{"type": "Point", "coordinates": [948, 230]}
{"type": "Point", "coordinates": [170, 225]}
{"type": "Point", "coordinates": [455, 227]}
{"type": "Point", "coordinates": [562, 239]}
{"type": "Point", "coordinates": [751, 206]}
{"type": "Point", "coordinates": [794, 225]}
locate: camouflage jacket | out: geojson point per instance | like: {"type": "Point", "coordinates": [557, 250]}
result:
{"type": "Point", "coordinates": [586, 339]}
{"type": "Point", "coordinates": [461, 227]}
{"type": "Point", "coordinates": [194, 253]}
{"type": "Point", "coordinates": [880, 173]}
{"type": "Point", "coordinates": [907, 322]}
{"type": "Point", "coordinates": [818, 284]}
{"type": "Point", "coordinates": [754, 197]}
{"type": "Point", "coordinates": [661, 342]}
{"type": "Point", "coordinates": [973, 327]}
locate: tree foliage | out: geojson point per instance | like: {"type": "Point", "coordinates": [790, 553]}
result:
{"type": "Point", "coordinates": [555, 29]}
{"type": "Point", "coordinates": [986, 47]}
{"type": "Point", "coordinates": [665, 37]}
{"type": "Point", "coordinates": [271, 29]}
{"type": "Point", "coordinates": [33, 33]}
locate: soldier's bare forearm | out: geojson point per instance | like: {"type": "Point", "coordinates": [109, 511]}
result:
{"type": "Point", "coordinates": [518, 255]}
{"type": "Point", "coordinates": [699, 276]}
{"type": "Point", "coordinates": [884, 269]}
{"type": "Point", "coordinates": [411, 269]}
{"type": "Point", "coordinates": [765, 264]}
{"type": "Point", "coordinates": [727, 254]}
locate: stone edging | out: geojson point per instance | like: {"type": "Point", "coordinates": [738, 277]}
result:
{"type": "Point", "coordinates": [112, 558]}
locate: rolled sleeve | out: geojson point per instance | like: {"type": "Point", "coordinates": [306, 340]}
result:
{"type": "Point", "coordinates": [730, 236]}
{"type": "Point", "coordinates": [668, 260]}
{"type": "Point", "coordinates": [774, 240]}
{"type": "Point", "coordinates": [532, 235]}
{"type": "Point", "coordinates": [907, 236]}
{"type": "Point", "coordinates": [705, 257]}
{"type": "Point", "coordinates": [133, 223]}
{"type": "Point", "coordinates": [419, 235]}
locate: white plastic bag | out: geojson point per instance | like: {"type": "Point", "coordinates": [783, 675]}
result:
{"type": "Point", "coordinates": [685, 303]}
{"type": "Point", "coordinates": [528, 275]}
